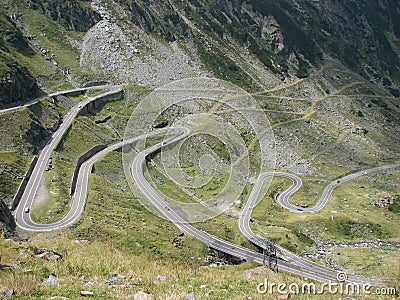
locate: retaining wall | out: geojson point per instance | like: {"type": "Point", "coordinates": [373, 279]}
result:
{"type": "Point", "coordinates": [24, 182]}
{"type": "Point", "coordinates": [96, 103]}
{"type": "Point", "coordinates": [81, 160]}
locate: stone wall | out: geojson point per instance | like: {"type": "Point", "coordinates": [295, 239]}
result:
{"type": "Point", "coordinates": [81, 160]}
{"type": "Point", "coordinates": [96, 104]}
{"type": "Point", "coordinates": [24, 182]}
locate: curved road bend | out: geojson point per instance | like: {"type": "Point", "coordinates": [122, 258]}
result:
{"type": "Point", "coordinates": [24, 220]}
{"type": "Point", "coordinates": [284, 200]}
{"type": "Point", "coordinates": [137, 172]}
{"type": "Point", "coordinates": [32, 186]}
{"type": "Point", "coordinates": [289, 263]}
{"type": "Point", "coordinates": [79, 198]}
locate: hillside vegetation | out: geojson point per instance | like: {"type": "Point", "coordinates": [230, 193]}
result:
{"type": "Point", "coordinates": [326, 75]}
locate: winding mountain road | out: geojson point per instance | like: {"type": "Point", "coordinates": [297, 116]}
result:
{"type": "Point", "coordinates": [23, 219]}
{"type": "Point", "coordinates": [287, 261]}
{"type": "Point", "coordinates": [284, 198]}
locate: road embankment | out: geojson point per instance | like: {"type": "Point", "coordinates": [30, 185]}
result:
{"type": "Point", "coordinates": [81, 160]}
{"type": "Point", "coordinates": [24, 182]}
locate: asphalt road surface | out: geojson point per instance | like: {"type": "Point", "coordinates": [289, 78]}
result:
{"type": "Point", "coordinates": [284, 198]}
{"type": "Point", "coordinates": [23, 219]}
{"type": "Point", "coordinates": [287, 261]}
{"type": "Point", "coordinates": [6, 110]}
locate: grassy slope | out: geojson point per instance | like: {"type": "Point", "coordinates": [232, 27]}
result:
{"type": "Point", "coordinates": [334, 151]}
{"type": "Point", "coordinates": [61, 45]}
{"type": "Point", "coordinates": [89, 267]}
{"type": "Point", "coordinates": [18, 142]}
{"type": "Point", "coordinates": [84, 128]}
{"type": "Point", "coordinates": [55, 39]}
{"type": "Point", "coordinates": [114, 217]}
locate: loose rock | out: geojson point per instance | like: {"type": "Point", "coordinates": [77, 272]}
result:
{"type": "Point", "coordinates": [86, 293]}
{"type": "Point", "coordinates": [9, 293]}
{"type": "Point", "coordinates": [141, 296]}
{"type": "Point", "coordinates": [52, 281]}
{"type": "Point", "coordinates": [47, 254]}
{"type": "Point", "coordinates": [192, 296]}
{"type": "Point", "coordinates": [161, 278]}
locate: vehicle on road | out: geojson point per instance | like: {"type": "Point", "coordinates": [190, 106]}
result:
{"type": "Point", "coordinates": [80, 105]}
{"type": "Point", "coordinates": [27, 210]}
{"type": "Point", "coordinates": [166, 207]}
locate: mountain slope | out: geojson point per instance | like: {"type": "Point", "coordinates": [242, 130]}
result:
{"type": "Point", "coordinates": [326, 74]}
{"type": "Point", "coordinates": [16, 82]}
{"type": "Point", "coordinates": [286, 34]}
{"type": "Point", "coordinates": [254, 43]}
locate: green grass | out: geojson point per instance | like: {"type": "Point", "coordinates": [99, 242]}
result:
{"type": "Point", "coordinates": [349, 217]}
{"type": "Point", "coordinates": [309, 193]}
{"type": "Point", "coordinates": [226, 228]}
{"type": "Point", "coordinates": [120, 111]}
{"type": "Point", "coordinates": [56, 40]}
{"type": "Point", "coordinates": [114, 214]}
{"type": "Point", "coordinates": [13, 167]}
{"type": "Point", "coordinates": [64, 161]}
{"type": "Point", "coordinates": [378, 263]}
{"type": "Point", "coordinates": [212, 188]}
{"type": "Point", "coordinates": [89, 267]}
{"type": "Point", "coordinates": [95, 92]}
{"type": "Point", "coordinates": [61, 86]}
{"type": "Point", "coordinates": [275, 223]}
{"type": "Point", "coordinates": [115, 219]}
{"type": "Point", "coordinates": [166, 187]}
{"type": "Point", "coordinates": [222, 66]}
{"type": "Point", "coordinates": [51, 36]}
{"type": "Point", "coordinates": [20, 133]}
{"type": "Point", "coordinates": [83, 135]}
{"type": "Point", "coordinates": [79, 98]}
{"type": "Point", "coordinates": [222, 226]}
{"type": "Point", "coordinates": [291, 240]}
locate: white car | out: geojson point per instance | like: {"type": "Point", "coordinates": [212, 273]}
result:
{"type": "Point", "coordinates": [27, 209]}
